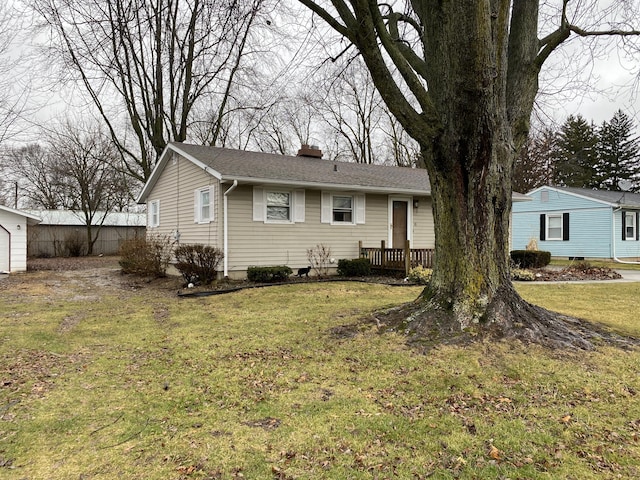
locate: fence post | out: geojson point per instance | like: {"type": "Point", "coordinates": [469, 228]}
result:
{"type": "Point", "coordinates": [407, 257]}
{"type": "Point", "coordinates": [383, 255]}
{"type": "Point", "coordinates": [359, 248]}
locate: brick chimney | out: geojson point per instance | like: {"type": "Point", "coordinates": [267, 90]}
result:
{"type": "Point", "coordinates": [310, 151]}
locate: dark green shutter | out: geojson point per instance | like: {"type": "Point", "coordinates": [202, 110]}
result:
{"type": "Point", "coordinates": [624, 224]}
{"type": "Point", "coordinates": [565, 227]}
{"type": "Point", "coordinates": [543, 226]}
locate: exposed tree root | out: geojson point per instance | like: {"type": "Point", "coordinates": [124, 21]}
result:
{"type": "Point", "coordinates": [508, 316]}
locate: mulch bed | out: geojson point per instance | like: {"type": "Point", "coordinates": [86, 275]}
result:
{"type": "Point", "coordinates": [575, 273]}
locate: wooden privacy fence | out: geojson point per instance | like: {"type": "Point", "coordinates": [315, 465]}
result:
{"type": "Point", "coordinates": [397, 259]}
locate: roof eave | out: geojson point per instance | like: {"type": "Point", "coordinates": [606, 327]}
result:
{"type": "Point", "coordinates": [573, 194]}
{"type": "Point", "coordinates": [31, 219]}
{"type": "Point", "coordinates": [162, 162]}
{"type": "Point", "coordinates": [326, 186]}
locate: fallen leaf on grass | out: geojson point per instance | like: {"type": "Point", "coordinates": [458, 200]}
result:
{"type": "Point", "coordinates": [494, 453]}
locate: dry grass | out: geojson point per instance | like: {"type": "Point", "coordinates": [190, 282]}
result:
{"type": "Point", "coordinates": [120, 381]}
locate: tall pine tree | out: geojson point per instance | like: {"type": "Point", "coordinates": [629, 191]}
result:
{"type": "Point", "coordinates": [576, 163]}
{"type": "Point", "coordinates": [619, 153]}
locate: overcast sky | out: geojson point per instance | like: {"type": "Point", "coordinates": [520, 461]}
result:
{"type": "Point", "coordinates": [612, 86]}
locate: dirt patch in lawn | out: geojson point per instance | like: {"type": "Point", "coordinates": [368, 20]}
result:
{"type": "Point", "coordinates": [82, 279]}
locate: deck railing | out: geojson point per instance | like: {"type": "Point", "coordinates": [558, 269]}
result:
{"type": "Point", "coordinates": [397, 259]}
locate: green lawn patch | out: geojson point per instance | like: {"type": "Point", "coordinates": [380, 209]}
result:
{"type": "Point", "coordinates": [137, 383]}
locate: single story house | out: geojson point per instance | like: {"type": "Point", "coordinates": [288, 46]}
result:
{"type": "Point", "coordinates": [14, 225]}
{"type": "Point", "coordinates": [267, 209]}
{"type": "Point", "coordinates": [579, 223]}
{"type": "Point", "coordinates": [49, 237]}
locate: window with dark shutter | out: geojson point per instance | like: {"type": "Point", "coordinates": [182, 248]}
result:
{"type": "Point", "coordinates": [629, 225]}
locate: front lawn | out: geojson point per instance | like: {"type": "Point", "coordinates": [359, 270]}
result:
{"type": "Point", "coordinates": [126, 380]}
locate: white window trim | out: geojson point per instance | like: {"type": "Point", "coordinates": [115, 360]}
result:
{"type": "Point", "coordinates": [548, 227]}
{"type": "Point", "coordinates": [150, 215]}
{"type": "Point", "coordinates": [296, 205]}
{"type": "Point", "coordinates": [358, 208]}
{"type": "Point", "coordinates": [353, 209]}
{"type": "Point", "coordinates": [267, 191]}
{"type": "Point", "coordinates": [632, 215]}
{"type": "Point", "coordinates": [198, 205]}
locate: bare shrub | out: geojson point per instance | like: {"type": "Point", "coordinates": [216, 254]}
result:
{"type": "Point", "coordinates": [319, 258]}
{"type": "Point", "coordinates": [146, 256]}
{"type": "Point", "coordinates": [74, 244]}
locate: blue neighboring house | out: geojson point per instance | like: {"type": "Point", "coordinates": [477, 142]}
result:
{"type": "Point", "coordinates": [579, 223]}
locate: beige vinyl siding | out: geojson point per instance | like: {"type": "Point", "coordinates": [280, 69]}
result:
{"type": "Point", "coordinates": [258, 243]}
{"type": "Point", "coordinates": [175, 189]}
{"type": "Point", "coordinates": [423, 231]}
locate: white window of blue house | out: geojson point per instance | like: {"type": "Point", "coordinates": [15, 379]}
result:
{"type": "Point", "coordinates": [153, 214]}
{"type": "Point", "coordinates": [629, 225]}
{"type": "Point", "coordinates": [203, 205]}
{"type": "Point", "coordinates": [554, 227]}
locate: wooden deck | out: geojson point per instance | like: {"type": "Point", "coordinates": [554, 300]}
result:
{"type": "Point", "coordinates": [397, 259]}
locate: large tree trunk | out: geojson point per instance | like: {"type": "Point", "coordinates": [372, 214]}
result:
{"type": "Point", "coordinates": [471, 208]}
{"type": "Point", "coordinates": [463, 86]}
{"type": "Point", "coordinates": [470, 161]}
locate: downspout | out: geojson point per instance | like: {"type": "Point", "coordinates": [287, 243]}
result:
{"type": "Point", "coordinates": [225, 228]}
{"type": "Point", "coordinates": [613, 239]}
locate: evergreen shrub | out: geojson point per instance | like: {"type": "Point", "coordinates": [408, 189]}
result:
{"type": "Point", "coordinates": [358, 267]}
{"type": "Point", "coordinates": [530, 258]}
{"type": "Point", "coordinates": [276, 273]}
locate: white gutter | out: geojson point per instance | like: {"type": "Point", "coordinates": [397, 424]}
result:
{"type": "Point", "coordinates": [613, 239]}
{"type": "Point", "coordinates": [225, 229]}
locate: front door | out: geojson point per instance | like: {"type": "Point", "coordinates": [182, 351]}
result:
{"type": "Point", "coordinates": [399, 237]}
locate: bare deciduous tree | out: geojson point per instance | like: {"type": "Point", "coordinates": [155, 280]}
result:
{"type": "Point", "coordinates": [84, 158]}
{"type": "Point", "coordinates": [462, 77]}
{"type": "Point", "coordinates": [352, 109]}
{"type": "Point", "coordinates": [153, 63]}
{"type": "Point", "coordinates": [38, 176]}
{"type": "Point", "coordinates": [534, 165]}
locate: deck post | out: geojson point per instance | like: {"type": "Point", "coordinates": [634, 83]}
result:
{"type": "Point", "coordinates": [359, 248]}
{"type": "Point", "coordinates": [383, 255]}
{"type": "Point", "coordinates": [407, 257]}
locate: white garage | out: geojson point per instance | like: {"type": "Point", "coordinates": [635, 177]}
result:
{"type": "Point", "coordinates": [13, 239]}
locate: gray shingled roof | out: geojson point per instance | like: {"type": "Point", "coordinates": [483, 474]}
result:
{"type": "Point", "coordinates": [626, 199]}
{"type": "Point", "coordinates": [268, 167]}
